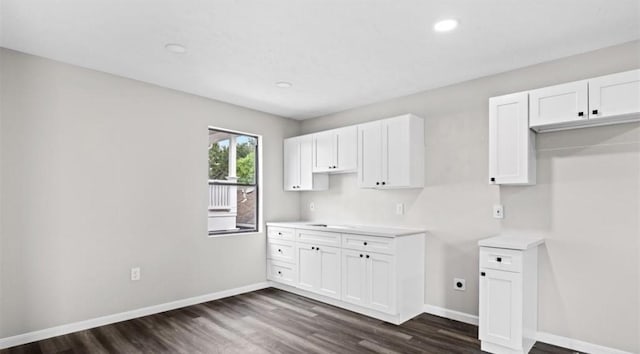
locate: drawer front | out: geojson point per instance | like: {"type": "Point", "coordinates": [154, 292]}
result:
{"type": "Point", "coordinates": [501, 259]}
{"type": "Point", "coordinates": [280, 233]}
{"type": "Point", "coordinates": [318, 237]}
{"type": "Point", "coordinates": [385, 245]}
{"type": "Point", "coordinates": [281, 272]}
{"type": "Point", "coordinates": [281, 250]}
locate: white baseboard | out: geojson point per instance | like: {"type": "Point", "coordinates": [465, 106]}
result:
{"type": "Point", "coordinates": [577, 345]}
{"type": "Point", "coordinates": [123, 316]}
{"type": "Point", "coordinates": [548, 338]}
{"type": "Point", "coordinates": [451, 314]}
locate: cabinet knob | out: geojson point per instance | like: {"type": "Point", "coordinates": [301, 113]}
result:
{"type": "Point", "coordinates": [499, 259]}
{"type": "Point", "coordinates": [313, 248]}
{"type": "Point", "coordinates": [482, 274]}
{"type": "Point", "coordinates": [383, 183]}
{"type": "Point", "coordinates": [335, 166]}
{"type": "Point", "coordinates": [360, 256]}
{"type": "Point", "coordinates": [280, 272]}
{"type": "Point", "coordinates": [279, 250]}
{"type": "Point", "coordinates": [365, 243]}
{"type": "Point", "coordinates": [580, 114]}
{"type": "Point", "coordinates": [492, 179]}
{"type": "Point", "coordinates": [367, 256]}
{"type": "Point", "coordinates": [279, 233]}
{"type": "Point", "coordinates": [377, 183]}
{"type": "Point", "coordinates": [595, 111]}
{"type": "Point", "coordinates": [317, 248]}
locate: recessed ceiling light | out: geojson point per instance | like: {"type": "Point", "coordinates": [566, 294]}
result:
{"type": "Point", "coordinates": [283, 84]}
{"type": "Point", "coordinates": [445, 25]}
{"type": "Point", "coordinates": [176, 48]}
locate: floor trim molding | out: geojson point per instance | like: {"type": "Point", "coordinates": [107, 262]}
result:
{"type": "Point", "coordinates": [565, 342]}
{"type": "Point", "coordinates": [123, 316]}
{"type": "Point", "coordinates": [577, 345]}
{"type": "Point", "coordinates": [451, 314]}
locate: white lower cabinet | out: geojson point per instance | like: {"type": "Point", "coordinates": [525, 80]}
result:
{"type": "Point", "coordinates": [508, 296]}
{"type": "Point", "coordinates": [319, 269]}
{"type": "Point", "coordinates": [378, 276]}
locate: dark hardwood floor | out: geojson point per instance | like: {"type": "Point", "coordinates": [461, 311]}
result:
{"type": "Point", "coordinates": [269, 321]}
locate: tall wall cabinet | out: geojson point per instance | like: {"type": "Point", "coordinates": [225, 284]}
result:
{"type": "Point", "coordinates": [298, 169]}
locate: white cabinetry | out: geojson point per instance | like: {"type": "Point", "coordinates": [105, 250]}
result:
{"type": "Point", "coordinates": [379, 276]}
{"type": "Point", "coordinates": [335, 150]}
{"type": "Point", "coordinates": [512, 153]}
{"type": "Point", "coordinates": [559, 104]}
{"type": "Point", "coordinates": [603, 100]}
{"type": "Point", "coordinates": [508, 294]}
{"type": "Point", "coordinates": [298, 172]}
{"type": "Point", "coordinates": [391, 153]}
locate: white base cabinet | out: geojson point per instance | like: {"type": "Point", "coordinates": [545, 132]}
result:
{"type": "Point", "coordinates": [379, 276]}
{"type": "Point", "coordinates": [508, 296]}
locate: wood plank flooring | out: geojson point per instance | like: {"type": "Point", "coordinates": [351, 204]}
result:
{"type": "Point", "coordinates": [269, 321]}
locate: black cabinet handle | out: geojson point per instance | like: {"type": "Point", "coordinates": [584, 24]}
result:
{"type": "Point", "coordinates": [482, 274]}
{"type": "Point", "coordinates": [313, 248]}
{"type": "Point", "coordinates": [499, 259]}
{"type": "Point", "coordinates": [360, 256]}
{"type": "Point", "coordinates": [377, 183]}
{"type": "Point", "coordinates": [365, 243]}
{"type": "Point", "coordinates": [280, 272]}
{"type": "Point", "coordinates": [279, 250]}
{"type": "Point", "coordinates": [279, 233]}
{"type": "Point", "coordinates": [335, 166]}
{"type": "Point", "coordinates": [317, 248]}
{"type": "Point", "coordinates": [492, 179]}
{"type": "Point", "coordinates": [595, 111]}
{"type": "Point", "coordinates": [383, 183]}
{"type": "Point", "coordinates": [367, 256]}
{"type": "Point", "coordinates": [580, 114]}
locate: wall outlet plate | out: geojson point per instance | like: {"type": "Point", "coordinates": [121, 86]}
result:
{"type": "Point", "coordinates": [135, 273]}
{"type": "Point", "coordinates": [498, 211]}
{"type": "Point", "coordinates": [459, 284]}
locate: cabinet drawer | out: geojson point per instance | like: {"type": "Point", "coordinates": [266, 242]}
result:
{"type": "Point", "coordinates": [280, 233]}
{"type": "Point", "coordinates": [369, 243]}
{"type": "Point", "coordinates": [281, 271]}
{"type": "Point", "coordinates": [281, 250]}
{"type": "Point", "coordinates": [501, 259]}
{"type": "Point", "coordinates": [318, 237]}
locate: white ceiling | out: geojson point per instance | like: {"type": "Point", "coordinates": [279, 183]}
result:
{"type": "Point", "coordinates": [337, 53]}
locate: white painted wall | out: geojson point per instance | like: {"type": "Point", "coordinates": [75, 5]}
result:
{"type": "Point", "coordinates": [102, 173]}
{"type": "Point", "coordinates": [586, 202]}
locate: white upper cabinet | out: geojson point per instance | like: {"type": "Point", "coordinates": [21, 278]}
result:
{"type": "Point", "coordinates": [559, 104]}
{"type": "Point", "coordinates": [335, 150]}
{"type": "Point", "coordinates": [512, 158]}
{"type": "Point", "coordinates": [391, 153]}
{"type": "Point", "coordinates": [604, 100]}
{"type": "Point", "coordinates": [298, 172]}
{"type": "Point", "coordinates": [614, 95]}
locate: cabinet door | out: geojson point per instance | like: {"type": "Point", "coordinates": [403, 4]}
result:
{"type": "Point", "coordinates": [291, 164]}
{"type": "Point", "coordinates": [308, 267]}
{"type": "Point", "coordinates": [395, 152]}
{"type": "Point", "coordinates": [354, 275]}
{"type": "Point", "coordinates": [381, 282]}
{"type": "Point", "coordinates": [614, 95]}
{"type": "Point", "coordinates": [323, 154]}
{"type": "Point", "coordinates": [346, 149]}
{"type": "Point", "coordinates": [511, 143]}
{"type": "Point", "coordinates": [329, 269]}
{"type": "Point", "coordinates": [558, 104]}
{"type": "Point", "coordinates": [306, 163]}
{"type": "Point", "coordinates": [369, 154]}
{"type": "Point", "coordinates": [501, 308]}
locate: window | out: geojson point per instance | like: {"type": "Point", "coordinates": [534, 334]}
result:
{"type": "Point", "coordinates": [233, 182]}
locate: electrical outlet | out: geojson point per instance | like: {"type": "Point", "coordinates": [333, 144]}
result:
{"type": "Point", "coordinates": [135, 273]}
{"type": "Point", "coordinates": [399, 209]}
{"type": "Point", "coordinates": [498, 211]}
{"type": "Point", "coordinates": [459, 284]}
{"type": "Point", "coordinates": [312, 206]}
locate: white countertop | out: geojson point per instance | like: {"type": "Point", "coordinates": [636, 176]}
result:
{"type": "Point", "coordinates": [382, 231]}
{"type": "Point", "coordinates": [512, 241]}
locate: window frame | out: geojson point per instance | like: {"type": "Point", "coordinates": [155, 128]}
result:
{"type": "Point", "coordinates": [258, 185]}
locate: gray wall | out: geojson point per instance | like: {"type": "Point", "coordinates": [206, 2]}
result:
{"type": "Point", "coordinates": [586, 202]}
{"type": "Point", "coordinates": [102, 173]}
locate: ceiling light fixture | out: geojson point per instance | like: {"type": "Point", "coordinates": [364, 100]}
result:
{"type": "Point", "coordinates": [283, 84]}
{"type": "Point", "coordinates": [176, 48]}
{"type": "Point", "coordinates": [445, 25]}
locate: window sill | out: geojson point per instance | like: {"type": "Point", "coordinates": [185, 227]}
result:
{"type": "Point", "coordinates": [238, 233]}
